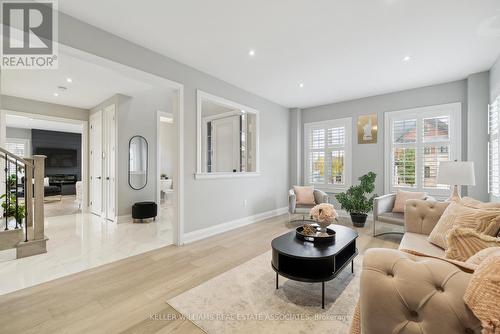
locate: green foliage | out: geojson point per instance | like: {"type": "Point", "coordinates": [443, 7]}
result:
{"type": "Point", "coordinates": [11, 210]}
{"type": "Point", "coordinates": [354, 200]}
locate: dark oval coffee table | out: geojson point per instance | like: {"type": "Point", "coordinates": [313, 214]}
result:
{"type": "Point", "coordinates": [308, 262]}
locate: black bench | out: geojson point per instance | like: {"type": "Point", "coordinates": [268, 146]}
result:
{"type": "Point", "coordinates": [144, 210]}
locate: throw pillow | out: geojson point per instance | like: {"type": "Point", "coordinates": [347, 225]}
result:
{"type": "Point", "coordinates": [304, 195]}
{"type": "Point", "coordinates": [483, 293]}
{"type": "Point", "coordinates": [469, 201]}
{"type": "Point", "coordinates": [403, 196]}
{"type": "Point", "coordinates": [465, 242]}
{"type": "Point", "coordinates": [486, 221]}
{"type": "Point", "coordinates": [482, 255]}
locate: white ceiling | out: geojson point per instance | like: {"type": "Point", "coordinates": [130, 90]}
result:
{"type": "Point", "coordinates": [91, 83]}
{"type": "Point", "coordinates": [27, 122]}
{"type": "Point", "coordinates": [339, 49]}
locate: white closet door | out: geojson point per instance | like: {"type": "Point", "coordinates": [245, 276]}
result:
{"type": "Point", "coordinates": [96, 163]}
{"type": "Point", "coordinates": [110, 164]}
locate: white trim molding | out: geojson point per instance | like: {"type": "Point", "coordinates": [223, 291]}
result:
{"type": "Point", "coordinates": [200, 121]}
{"type": "Point", "coordinates": [228, 226]}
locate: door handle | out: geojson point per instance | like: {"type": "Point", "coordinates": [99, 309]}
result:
{"type": "Point", "coordinates": [107, 178]}
{"type": "Point", "coordinates": [98, 177]}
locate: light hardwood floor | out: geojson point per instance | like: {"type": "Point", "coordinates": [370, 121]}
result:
{"type": "Point", "coordinates": [129, 296]}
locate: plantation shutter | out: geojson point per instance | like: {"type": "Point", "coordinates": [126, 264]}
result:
{"type": "Point", "coordinates": [326, 156]}
{"type": "Point", "coordinates": [404, 137]}
{"type": "Point", "coordinates": [417, 141]}
{"type": "Point", "coordinates": [493, 148]}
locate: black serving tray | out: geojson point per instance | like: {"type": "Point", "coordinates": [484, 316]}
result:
{"type": "Point", "coordinates": [318, 238]}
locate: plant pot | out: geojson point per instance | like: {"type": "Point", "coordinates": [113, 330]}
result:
{"type": "Point", "coordinates": [358, 219]}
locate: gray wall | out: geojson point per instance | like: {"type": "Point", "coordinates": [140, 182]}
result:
{"type": "Point", "coordinates": [43, 108]}
{"type": "Point", "coordinates": [18, 133]}
{"type": "Point", "coordinates": [202, 209]}
{"type": "Point", "coordinates": [370, 157]}
{"type": "Point", "coordinates": [137, 116]}
{"type": "Point", "coordinates": [477, 129]}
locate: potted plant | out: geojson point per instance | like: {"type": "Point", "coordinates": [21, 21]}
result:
{"type": "Point", "coordinates": [10, 211]}
{"type": "Point", "coordinates": [355, 200]}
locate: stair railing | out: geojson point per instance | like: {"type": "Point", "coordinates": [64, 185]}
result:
{"type": "Point", "coordinates": [32, 192]}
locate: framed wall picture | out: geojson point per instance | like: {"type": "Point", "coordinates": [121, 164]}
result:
{"type": "Point", "coordinates": [367, 129]}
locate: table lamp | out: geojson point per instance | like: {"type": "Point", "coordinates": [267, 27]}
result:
{"type": "Point", "coordinates": [456, 173]}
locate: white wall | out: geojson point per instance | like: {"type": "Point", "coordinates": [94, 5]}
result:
{"type": "Point", "coordinates": [207, 202]}
{"type": "Point", "coordinates": [495, 80]}
{"type": "Point", "coordinates": [168, 161]}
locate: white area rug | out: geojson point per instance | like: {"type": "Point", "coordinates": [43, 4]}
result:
{"type": "Point", "coordinates": [245, 300]}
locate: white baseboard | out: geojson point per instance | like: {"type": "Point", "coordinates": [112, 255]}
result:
{"type": "Point", "coordinates": [224, 227]}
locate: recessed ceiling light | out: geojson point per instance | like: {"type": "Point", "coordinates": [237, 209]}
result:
{"type": "Point", "coordinates": [406, 59]}
{"type": "Point", "coordinates": [301, 85]}
{"type": "Point", "coordinates": [251, 53]}
{"type": "Point", "coordinates": [56, 94]}
{"type": "Point", "coordinates": [69, 80]}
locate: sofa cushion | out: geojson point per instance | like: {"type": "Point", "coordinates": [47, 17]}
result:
{"type": "Point", "coordinates": [392, 217]}
{"type": "Point", "coordinates": [482, 255]}
{"type": "Point", "coordinates": [483, 293]}
{"type": "Point", "coordinates": [304, 195]}
{"type": "Point", "coordinates": [465, 242]}
{"type": "Point", "coordinates": [418, 243]}
{"type": "Point", "coordinates": [486, 221]}
{"type": "Point", "coordinates": [401, 198]}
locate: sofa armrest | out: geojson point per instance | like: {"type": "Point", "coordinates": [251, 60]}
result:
{"type": "Point", "coordinates": [403, 293]}
{"type": "Point", "coordinates": [321, 197]}
{"type": "Point", "coordinates": [382, 204]}
{"type": "Point", "coordinates": [422, 215]}
{"type": "Point", "coordinates": [292, 201]}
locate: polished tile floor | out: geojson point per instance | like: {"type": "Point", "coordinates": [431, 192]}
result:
{"type": "Point", "coordinates": [81, 241]}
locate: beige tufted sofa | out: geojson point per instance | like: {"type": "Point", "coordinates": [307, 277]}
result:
{"type": "Point", "coordinates": [408, 294]}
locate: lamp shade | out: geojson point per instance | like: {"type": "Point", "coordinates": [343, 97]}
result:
{"type": "Point", "coordinates": [456, 173]}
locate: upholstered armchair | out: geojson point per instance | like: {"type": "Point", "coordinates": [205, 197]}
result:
{"type": "Point", "coordinates": [382, 212]}
{"type": "Point", "coordinates": [294, 208]}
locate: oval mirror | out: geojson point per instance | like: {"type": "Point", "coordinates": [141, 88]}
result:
{"type": "Point", "coordinates": [137, 162]}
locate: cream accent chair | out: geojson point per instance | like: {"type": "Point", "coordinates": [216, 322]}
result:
{"type": "Point", "coordinates": [408, 294]}
{"type": "Point", "coordinates": [294, 208]}
{"type": "Point", "coordinates": [382, 212]}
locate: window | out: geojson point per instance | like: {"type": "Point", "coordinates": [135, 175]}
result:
{"type": "Point", "coordinates": [417, 140]}
{"type": "Point", "coordinates": [328, 154]}
{"type": "Point", "coordinates": [493, 148]}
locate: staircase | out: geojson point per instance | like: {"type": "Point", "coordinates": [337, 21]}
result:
{"type": "Point", "coordinates": [22, 218]}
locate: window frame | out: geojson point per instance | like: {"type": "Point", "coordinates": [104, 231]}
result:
{"type": "Point", "coordinates": [454, 112]}
{"type": "Point", "coordinates": [493, 107]}
{"type": "Point", "coordinates": [347, 147]}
